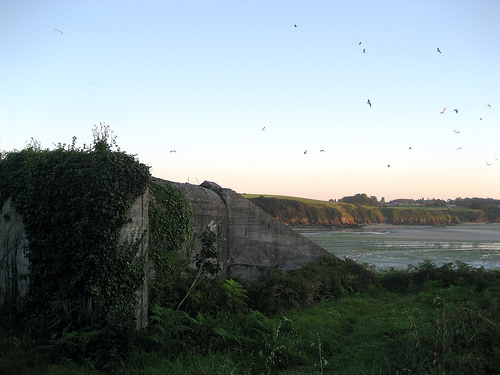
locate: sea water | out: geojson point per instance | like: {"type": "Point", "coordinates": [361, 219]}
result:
{"type": "Point", "coordinates": [398, 246]}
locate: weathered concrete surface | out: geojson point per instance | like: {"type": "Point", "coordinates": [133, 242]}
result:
{"type": "Point", "coordinates": [254, 241]}
{"type": "Point", "coordinates": [133, 231]}
{"type": "Point", "coordinates": [13, 262]}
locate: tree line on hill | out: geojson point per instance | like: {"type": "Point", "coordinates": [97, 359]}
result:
{"type": "Point", "coordinates": [473, 203]}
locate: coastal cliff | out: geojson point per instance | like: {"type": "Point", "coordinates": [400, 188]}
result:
{"type": "Point", "coordinates": [306, 212]}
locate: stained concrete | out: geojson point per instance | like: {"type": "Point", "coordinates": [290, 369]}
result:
{"type": "Point", "coordinates": [254, 241]}
{"type": "Point", "coordinates": [13, 262]}
{"type": "Point", "coordinates": [136, 230]}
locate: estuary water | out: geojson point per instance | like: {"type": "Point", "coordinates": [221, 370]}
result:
{"type": "Point", "coordinates": [397, 246]}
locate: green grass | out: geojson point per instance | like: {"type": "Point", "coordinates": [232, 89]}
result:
{"type": "Point", "coordinates": [314, 202]}
{"type": "Point", "coordinates": [426, 320]}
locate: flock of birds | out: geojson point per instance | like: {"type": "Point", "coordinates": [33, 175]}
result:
{"type": "Point", "coordinates": [442, 112]}
{"type": "Point", "coordinates": [370, 104]}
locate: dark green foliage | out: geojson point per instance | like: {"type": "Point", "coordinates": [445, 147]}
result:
{"type": "Point", "coordinates": [361, 199]}
{"type": "Point", "coordinates": [331, 279]}
{"type": "Point", "coordinates": [428, 275]}
{"type": "Point", "coordinates": [74, 202]}
{"type": "Point", "coordinates": [345, 324]}
{"type": "Point", "coordinates": [170, 243]}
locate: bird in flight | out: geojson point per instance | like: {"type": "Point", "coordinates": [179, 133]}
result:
{"type": "Point", "coordinates": [388, 165]}
{"type": "Point", "coordinates": [443, 111]}
{"type": "Point", "coordinates": [459, 148]}
{"type": "Point", "coordinates": [456, 111]}
{"type": "Point", "coordinates": [295, 25]}
{"type": "Point", "coordinates": [409, 148]}
{"type": "Point", "coordinates": [438, 50]}
{"type": "Point", "coordinates": [321, 150]}
{"type": "Point", "coordinates": [480, 118]}
{"type": "Point", "coordinates": [364, 50]}
{"type": "Point", "coordinates": [369, 103]}
{"type": "Point", "coordinates": [359, 43]}
{"type": "Point", "coordinates": [58, 30]}
{"type": "Point", "coordinates": [489, 106]}
{"type": "Point", "coordinates": [305, 152]}
{"type": "Point", "coordinates": [172, 151]}
{"type": "Point", "coordinates": [456, 131]}
{"type": "Point", "coordinates": [264, 128]}
{"type": "Point", "coordinates": [488, 164]}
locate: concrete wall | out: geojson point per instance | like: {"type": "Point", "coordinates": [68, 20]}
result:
{"type": "Point", "coordinates": [136, 227]}
{"type": "Point", "coordinates": [254, 241]}
{"type": "Point", "coordinates": [13, 263]}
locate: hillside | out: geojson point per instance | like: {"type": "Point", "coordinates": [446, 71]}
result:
{"type": "Point", "coordinates": [302, 211]}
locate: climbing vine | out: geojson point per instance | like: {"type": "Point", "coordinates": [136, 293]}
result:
{"type": "Point", "coordinates": [171, 240]}
{"type": "Point", "coordinates": [74, 202]}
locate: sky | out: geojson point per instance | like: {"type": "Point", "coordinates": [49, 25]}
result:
{"type": "Point", "coordinates": [266, 97]}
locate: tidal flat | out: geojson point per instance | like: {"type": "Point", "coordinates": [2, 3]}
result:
{"type": "Point", "coordinates": [386, 245]}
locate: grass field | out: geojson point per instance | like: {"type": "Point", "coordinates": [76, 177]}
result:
{"type": "Point", "coordinates": [426, 320]}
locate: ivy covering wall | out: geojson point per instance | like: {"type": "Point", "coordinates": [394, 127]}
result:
{"type": "Point", "coordinates": [171, 240]}
{"type": "Point", "coordinates": [74, 202]}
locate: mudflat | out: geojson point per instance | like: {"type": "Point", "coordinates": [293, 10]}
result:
{"type": "Point", "coordinates": [461, 232]}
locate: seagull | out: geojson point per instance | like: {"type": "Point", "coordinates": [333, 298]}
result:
{"type": "Point", "coordinates": [58, 30]}
{"type": "Point", "coordinates": [438, 50]}
{"type": "Point", "coordinates": [443, 111]}
{"type": "Point", "coordinates": [456, 131]}
{"type": "Point", "coordinates": [369, 103]}
{"type": "Point", "coordinates": [456, 111]}
{"type": "Point", "coordinates": [172, 151]}
{"type": "Point", "coordinates": [364, 50]}
{"type": "Point", "coordinates": [488, 164]}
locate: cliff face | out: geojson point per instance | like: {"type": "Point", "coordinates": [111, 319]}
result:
{"type": "Point", "coordinates": [309, 212]}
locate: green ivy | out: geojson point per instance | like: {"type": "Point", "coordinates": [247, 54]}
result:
{"type": "Point", "coordinates": [74, 202]}
{"type": "Point", "coordinates": [171, 241]}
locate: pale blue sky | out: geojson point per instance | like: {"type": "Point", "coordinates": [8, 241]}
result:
{"type": "Point", "coordinates": [204, 77]}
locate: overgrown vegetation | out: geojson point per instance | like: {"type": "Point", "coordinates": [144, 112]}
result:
{"type": "Point", "coordinates": [82, 280]}
{"type": "Point", "coordinates": [335, 317]}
